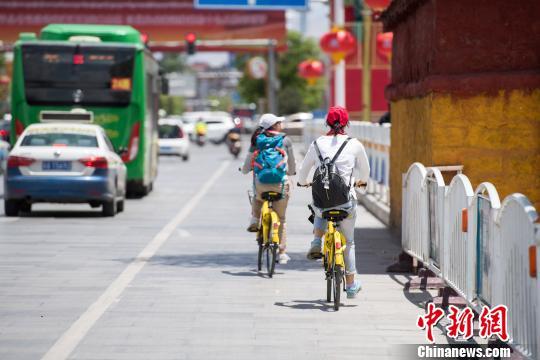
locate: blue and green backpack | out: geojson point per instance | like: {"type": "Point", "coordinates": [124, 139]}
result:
{"type": "Point", "coordinates": [270, 159]}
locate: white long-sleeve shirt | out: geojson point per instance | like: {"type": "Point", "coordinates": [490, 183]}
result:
{"type": "Point", "coordinates": [353, 159]}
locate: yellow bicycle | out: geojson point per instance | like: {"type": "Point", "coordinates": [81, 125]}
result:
{"type": "Point", "coordinates": [268, 234]}
{"type": "Point", "coordinates": [332, 251]}
{"type": "Point", "coordinates": [333, 261]}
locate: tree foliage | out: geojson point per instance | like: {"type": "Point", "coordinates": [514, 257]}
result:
{"type": "Point", "coordinates": [294, 94]}
{"type": "Point", "coordinates": [173, 105]}
{"type": "Point", "coordinates": [220, 103]}
{"type": "Point", "coordinates": [173, 62]}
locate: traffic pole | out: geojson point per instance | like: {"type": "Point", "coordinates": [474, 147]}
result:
{"type": "Point", "coordinates": [272, 85]}
{"type": "Point", "coordinates": [339, 75]}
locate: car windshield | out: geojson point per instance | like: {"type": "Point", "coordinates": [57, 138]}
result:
{"type": "Point", "coordinates": [60, 139]}
{"type": "Point", "coordinates": [169, 131]}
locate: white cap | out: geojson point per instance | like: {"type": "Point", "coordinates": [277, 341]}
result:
{"type": "Point", "coordinates": [268, 120]}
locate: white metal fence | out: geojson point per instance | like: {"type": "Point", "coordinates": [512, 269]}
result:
{"type": "Point", "coordinates": [483, 249]}
{"type": "Point", "coordinates": [376, 140]}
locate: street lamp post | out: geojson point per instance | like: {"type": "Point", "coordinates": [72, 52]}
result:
{"type": "Point", "coordinates": [339, 75]}
{"type": "Point", "coordinates": [272, 81]}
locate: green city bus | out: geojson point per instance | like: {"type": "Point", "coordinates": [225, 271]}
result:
{"type": "Point", "coordinates": [102, 74]}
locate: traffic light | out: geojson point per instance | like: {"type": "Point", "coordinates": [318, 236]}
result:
{"type": "Point", "coordinates": [190, 43]}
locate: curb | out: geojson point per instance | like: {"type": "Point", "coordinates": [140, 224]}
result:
{"type": "Point", "coordinates": [380, 210]}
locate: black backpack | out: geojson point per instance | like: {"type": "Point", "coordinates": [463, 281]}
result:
{"type": "Point", "coordinates": [328, 187]}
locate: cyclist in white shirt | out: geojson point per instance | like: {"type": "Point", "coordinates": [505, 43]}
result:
{"type": "Point", "coordinates": [353, 166]}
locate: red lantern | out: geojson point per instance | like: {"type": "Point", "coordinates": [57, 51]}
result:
{"type": "Point", "coordinates": [4, 79]}
{"type": "Point", "coordinates": [384, 45]}
{"type": "Point", "coordinates": [338, 43]}
{"type": "Point", "coordinates": [377, 5]}
{"type": "Point", "coordinates": [311, 70]}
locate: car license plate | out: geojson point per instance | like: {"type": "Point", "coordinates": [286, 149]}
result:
{"type": "Point", "coordinates": [56, 165]}
{"type": "Point", "coordinates": [166, 148]}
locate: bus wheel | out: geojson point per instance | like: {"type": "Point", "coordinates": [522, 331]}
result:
{"type": "Point", "coordinates": [137, 190]}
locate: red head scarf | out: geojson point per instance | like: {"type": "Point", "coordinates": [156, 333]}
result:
{"type": "Point", "coordinates": [337, 119]}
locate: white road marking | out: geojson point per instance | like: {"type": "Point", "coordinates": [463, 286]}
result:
{"type": "Point", "coordinates": [8, 220]}
{"type": "Point", "coordinates": [78, 330]}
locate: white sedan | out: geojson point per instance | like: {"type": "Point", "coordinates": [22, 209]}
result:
{"type": "Point", "coordinates": [218, 124]}
{"type": "Point", "coordinates": [64, 163]}
{"type": "Point", "coordinates": [172, 138]}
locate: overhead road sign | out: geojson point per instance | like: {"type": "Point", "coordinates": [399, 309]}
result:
{"type": "Point", "coordinates": [252, 4]}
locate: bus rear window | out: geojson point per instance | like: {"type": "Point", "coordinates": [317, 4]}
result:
{"type": "Point", "coordinates": [77, 74]}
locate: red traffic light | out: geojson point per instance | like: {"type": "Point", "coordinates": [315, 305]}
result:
{"type": "Point", "coordinates": [191, 37]}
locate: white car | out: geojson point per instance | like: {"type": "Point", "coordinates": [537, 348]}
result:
{"type": "Point", "coordinates": [64, 163]}
{"type": "Point", "coordinates": [172, 138]}
{"type": "Point", "coordinates": [218, 123]}
{"type": "Point", "coordinates": [294, 124]}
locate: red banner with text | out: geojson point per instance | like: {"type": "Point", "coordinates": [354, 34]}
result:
{"type": "Point", "coordinates": [161, 20]}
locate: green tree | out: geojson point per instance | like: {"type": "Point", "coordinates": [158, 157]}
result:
{"type": "Point", "coordinates": [173, 105]}
{"type": "Point", "coordinates": [220, 103]}
{"type": "Point", "coordinates": [294, 94]}
{"type": "Point", "coordinates": [4, 88]}
{"type": "Point", "coordinates": [173, 62]}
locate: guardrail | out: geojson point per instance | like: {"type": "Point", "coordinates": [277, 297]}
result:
{"type": "Point", "coordinates": [485, 250]}
{"type": "Point", "coordinates": [376, 141]}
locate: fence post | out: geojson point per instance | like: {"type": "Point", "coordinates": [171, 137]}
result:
{"type": "Point", "coordinates": [519, 292]}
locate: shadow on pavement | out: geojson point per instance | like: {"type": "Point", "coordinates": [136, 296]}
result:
{"type": "Point", "coordinates": [311, 305]}
{"type": "Point", "coordinates": [250, 273]}
{"type": "Point", "coordinates": [63, 214]}
{"type": "Point", "coordinates": [418, 297]}
{"type": "Point", "coordinates": [227, 259]}
{"type": "Point", "coordinates": [376, 248]}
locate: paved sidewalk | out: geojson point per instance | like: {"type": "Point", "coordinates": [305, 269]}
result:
{"type": "Point", "coordinates": [199, 297]}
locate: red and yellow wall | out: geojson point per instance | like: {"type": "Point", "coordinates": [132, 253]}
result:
{"type": "Point", "coordinates": [466, 91]}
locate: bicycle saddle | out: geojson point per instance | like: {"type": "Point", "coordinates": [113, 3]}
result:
{"type": "Point", "coordinates": [335, 214]}
{"type": "Point", "coordinates": [271, 195]}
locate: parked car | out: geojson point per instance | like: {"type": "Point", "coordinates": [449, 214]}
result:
{"type": "Point", "coordinates": [294, 124]}
{"type": "Point", "coordinates": [172, 138]}
{"type": "Point", "coordinates": [64, 163]}
{"type": "Point", "coordinates": [219, 123]}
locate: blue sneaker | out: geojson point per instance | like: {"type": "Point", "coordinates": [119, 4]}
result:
{"type": "Point", "coordinates": [314, 252]}
{"type": "Point", "coordinates": [354, 289]}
